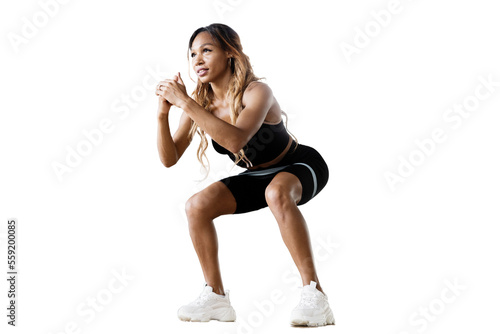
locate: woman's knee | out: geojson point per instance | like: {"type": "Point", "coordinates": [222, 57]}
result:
{"type": "Point", "coordinates": [195, 205]}
{"type": "Point", "coordinates": [279, 196]}
{"type": "Point", "coordinates": [210, 203]}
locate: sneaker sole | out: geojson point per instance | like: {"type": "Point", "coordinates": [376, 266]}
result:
{"type": "Point", "coordinates": [314, 321]}
{"type": "Point", "coordinates": [226, 316]}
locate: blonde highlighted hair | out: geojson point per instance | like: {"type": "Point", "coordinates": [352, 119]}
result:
{"type": "Point", "coordinates": [242, 76]}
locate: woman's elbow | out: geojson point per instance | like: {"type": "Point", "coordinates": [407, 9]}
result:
{"type": "Point", "coordinates": [237, 146]}
{"type": "Point", "coordinates": [168, 164]}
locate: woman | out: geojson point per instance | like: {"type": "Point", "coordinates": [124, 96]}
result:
{"type": "Point", "coordinates": [243, 119]}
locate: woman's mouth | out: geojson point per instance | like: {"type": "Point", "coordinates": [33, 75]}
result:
{"type": "Point", "coordinates": [202, 72]}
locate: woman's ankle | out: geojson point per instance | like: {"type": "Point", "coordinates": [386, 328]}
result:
{"type": "Point", "coordinates": [219, 292]}
{"type": "Point", "coordinates": [217, 289]}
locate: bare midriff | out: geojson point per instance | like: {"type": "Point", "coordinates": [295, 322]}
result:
{"type": "Point", "coordinates": [275, 160]}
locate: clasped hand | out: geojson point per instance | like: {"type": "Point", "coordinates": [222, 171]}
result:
{"type": "Point", "coordinates": [172, 90]}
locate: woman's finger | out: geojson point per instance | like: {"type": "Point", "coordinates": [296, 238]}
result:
{"type": "Point", "coordinates": [169, 81]}
{"type": "Point", "coordinates": [161, 83]}
{"type": "Point", "coordinates": [180, 79]}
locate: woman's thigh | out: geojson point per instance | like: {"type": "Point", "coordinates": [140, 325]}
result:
{"type": "Point", "coordinates": [213, 201]}
{"type": "Point", "coordinates": [251, 191]}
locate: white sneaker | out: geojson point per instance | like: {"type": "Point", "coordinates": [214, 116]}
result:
{"type": "Point", "coordinates": [313, 308]}
{"type": "Point", "coordinates": [208, 306]}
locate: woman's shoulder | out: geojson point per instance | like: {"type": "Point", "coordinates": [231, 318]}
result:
{"type": "Point", "coordinates": [255, 84]}
{"type": "Point", "coordinates": [262, 92]}
{"type": "Point", "coordinates": [257, 88]}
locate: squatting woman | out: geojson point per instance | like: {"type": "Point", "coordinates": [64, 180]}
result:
{"type": "Point", "coordinates": [243, 120]}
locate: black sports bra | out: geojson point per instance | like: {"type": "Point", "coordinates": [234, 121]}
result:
{"type": "Point", "coordinates": [267, 143]}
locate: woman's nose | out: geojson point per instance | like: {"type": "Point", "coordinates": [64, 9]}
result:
{"type": "Point", "coordinates": [198, 59]}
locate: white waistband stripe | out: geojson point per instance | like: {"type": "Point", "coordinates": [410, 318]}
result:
{"type": "Point", "coordinates": [315, 181]}
{"type": "Point", "coordinates": [275, 169]}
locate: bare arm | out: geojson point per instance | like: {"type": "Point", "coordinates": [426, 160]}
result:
{"type": "Point", "coordinates": [171, 148]}
{"type": "Point", "coordinates": [257, 100]}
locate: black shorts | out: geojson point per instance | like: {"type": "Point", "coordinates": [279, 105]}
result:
{"type": "Point", "coordinates": [248, 187]}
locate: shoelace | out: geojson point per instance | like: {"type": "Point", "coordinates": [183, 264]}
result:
{"type": "Point", "coordinates": [308, 299]}
{"type": "Point", "coordinates": [202, 299]}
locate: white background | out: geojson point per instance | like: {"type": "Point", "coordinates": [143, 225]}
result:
{"type": "Point", "coordinates": [382, 256]}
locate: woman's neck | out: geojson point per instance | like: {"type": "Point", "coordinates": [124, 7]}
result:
{"type": "Point", "coordinates": [220, 86]}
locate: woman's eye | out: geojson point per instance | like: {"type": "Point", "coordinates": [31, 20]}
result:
{"type": "Point", "coordinates": [193, 54]}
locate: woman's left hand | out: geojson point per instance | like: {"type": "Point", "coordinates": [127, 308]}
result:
{"type": "Point", "coordinates": [174, 91]}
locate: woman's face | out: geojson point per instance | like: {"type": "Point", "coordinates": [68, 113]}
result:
{"type": "Point", "coordinates": [208, 60]}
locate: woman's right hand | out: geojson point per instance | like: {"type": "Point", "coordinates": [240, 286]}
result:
{"type": "Point", "coordinates": [163, 105]}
